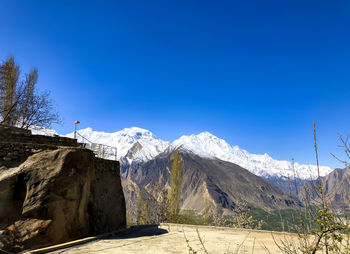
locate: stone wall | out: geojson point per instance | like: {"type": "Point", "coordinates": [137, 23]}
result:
{"type": "Point", "coordinates": [16, 145]}
{"type": "Point", "coordinates": [14, 154]}
{"type": "Point", "coordinates": [10, 137]}
{"type": "Point", "coordinates": [13, 130]}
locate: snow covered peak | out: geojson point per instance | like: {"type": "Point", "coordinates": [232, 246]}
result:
{"type": "Point", "coordinates": [203, 144]}
{"type": "Point", "coordinates": [124, 140]}
{"type": "Point", "coordinates": [137, 132]}
{"type": "Point", "coordinates": [205, 134]}
{"type": "Point", "coordinates": [206, 144]}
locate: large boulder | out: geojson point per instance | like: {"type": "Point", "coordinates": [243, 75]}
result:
{"type": "Point", "coordinates": [58, 196]}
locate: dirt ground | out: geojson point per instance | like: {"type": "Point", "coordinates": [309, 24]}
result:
{"type": "Point", "coordinates": [171, 238]}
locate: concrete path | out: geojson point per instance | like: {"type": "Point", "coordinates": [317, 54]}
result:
{"type": "Point", "coordinates": [175, 238]}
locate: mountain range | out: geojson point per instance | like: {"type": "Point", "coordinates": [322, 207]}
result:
{"type": "Point", "coordinates": [205, 145]}
{"type": "Point", "coordinates": [214, 172]}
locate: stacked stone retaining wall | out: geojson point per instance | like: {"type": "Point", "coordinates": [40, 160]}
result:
{"type": "Point", "coordinates": [16, 145]}
{"type": "Point", "coordinates": [13, 130]}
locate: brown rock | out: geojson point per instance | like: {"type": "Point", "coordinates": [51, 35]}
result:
{"type": "Point", "coordinates": [68, 193]}
{"type": "Point", "coordinates": [24, 233]}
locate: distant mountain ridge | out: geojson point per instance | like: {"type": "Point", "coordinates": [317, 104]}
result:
{"type": "Point", "coordinates": [205, 145]}
{"type": "Point", "coordinates": [336, 186]}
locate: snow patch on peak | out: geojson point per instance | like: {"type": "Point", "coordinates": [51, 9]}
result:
{"type": "Point", "coordinates": [204, 144]}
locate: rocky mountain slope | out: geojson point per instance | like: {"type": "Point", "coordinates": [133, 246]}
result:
{"type": "Point", "coordinates": [133, 193]}
{"type": "Point", "coordinates": [209, 181]}
{"type": "Point", "coordinates": [336, 185]}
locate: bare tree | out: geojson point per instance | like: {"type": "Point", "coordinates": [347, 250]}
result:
{"type": "Point", "coordinates": [21, 104]}
{"type": "Point", "coordinates": [40, 111]}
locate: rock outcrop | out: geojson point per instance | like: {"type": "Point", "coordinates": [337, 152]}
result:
{"type": "Point", "coordinates": [57, 196]}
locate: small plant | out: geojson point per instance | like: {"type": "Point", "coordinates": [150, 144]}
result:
{"type": "Point", "coordinates": [127, 217]}
{"type": "Point", "coordinates": [143, 211]}
{"type": "Point", "coordinates": [189, 248]}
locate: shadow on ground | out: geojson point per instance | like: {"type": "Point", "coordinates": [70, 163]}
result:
{"type": "Point", "coordinates": [139, 231]}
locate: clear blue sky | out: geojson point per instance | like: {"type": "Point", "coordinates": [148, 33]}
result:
{"type": "Point", "coordinates": [256, 73]}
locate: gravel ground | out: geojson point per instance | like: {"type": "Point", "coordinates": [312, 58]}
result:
{"type": "Point", "coordinates": [171, 238]}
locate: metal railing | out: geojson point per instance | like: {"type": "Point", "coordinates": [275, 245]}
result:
{"type": "Point", "coordinates": [100, 150]}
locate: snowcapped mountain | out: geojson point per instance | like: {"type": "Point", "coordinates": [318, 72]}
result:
{"type": "Point", "coordinates": [149, 145]}
{"type": "Point", "coordinates": [206, 144]}
{"type": "Point", "coordinates": [142, 145]}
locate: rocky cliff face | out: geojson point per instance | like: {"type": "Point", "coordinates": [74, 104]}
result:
{"type": "Point", "coordinates": [336, 186]}
{"type": "Point", "coordinates": [58, 196]}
